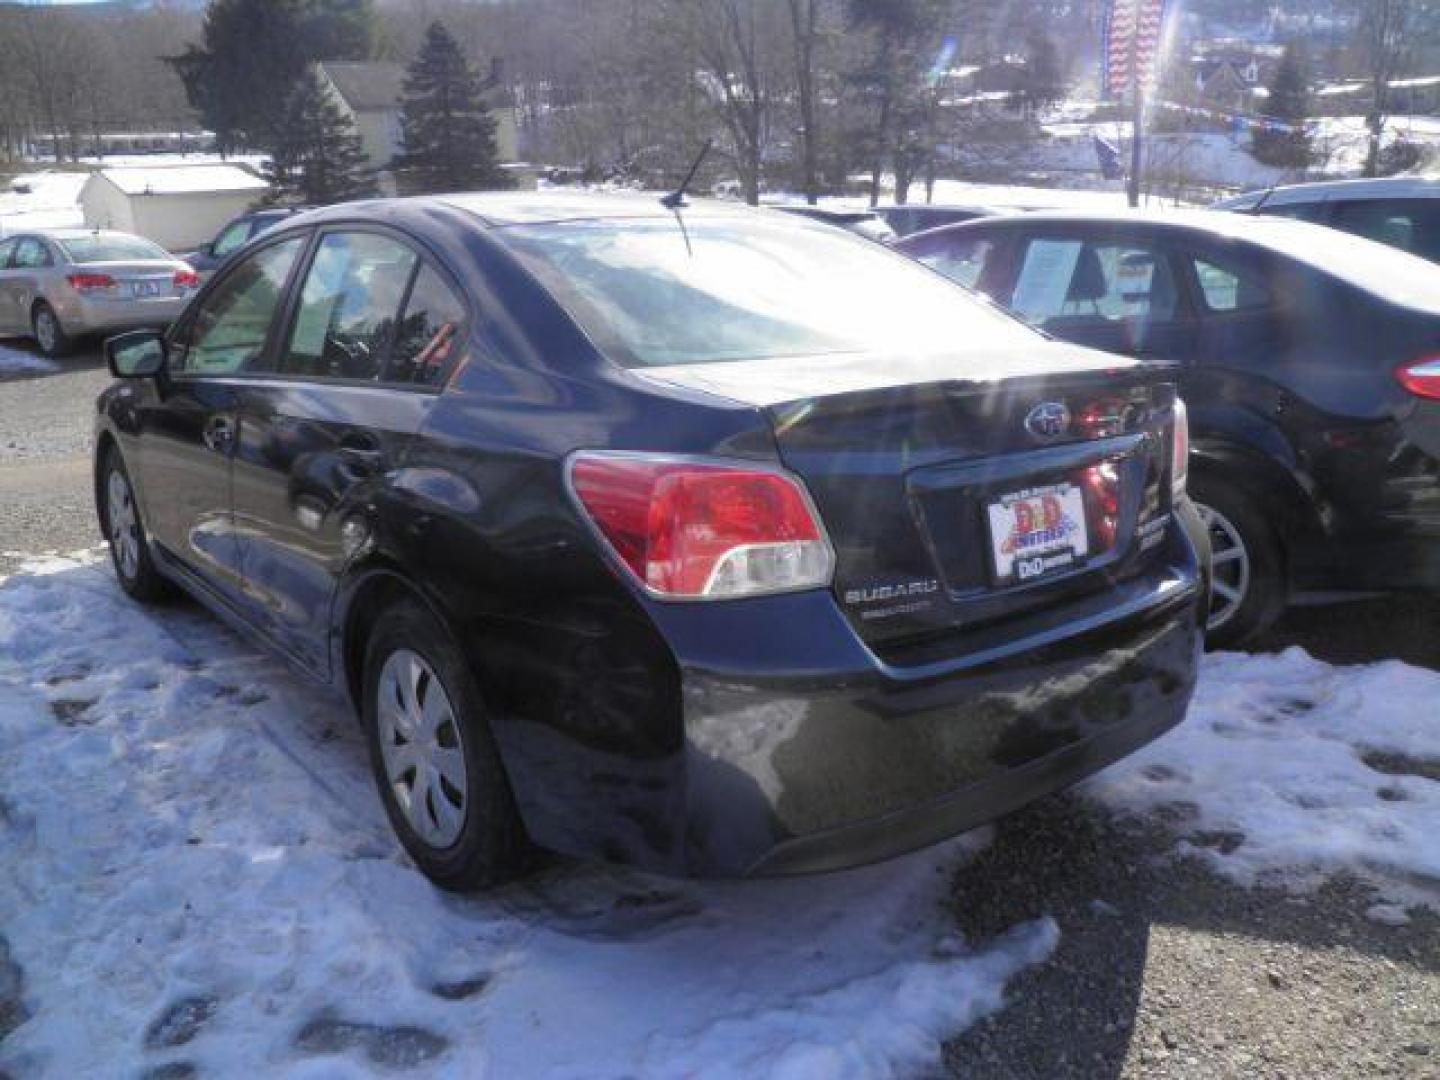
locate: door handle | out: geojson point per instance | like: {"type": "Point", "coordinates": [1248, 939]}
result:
{"type": "Point", "coordinates": [363, 455]}
{"type": "Point", "coordinates": [219, 434]}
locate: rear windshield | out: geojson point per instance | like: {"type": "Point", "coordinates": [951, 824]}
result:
{"type": "Point", "coordinates": [87, 249]}
{"type": "Point", "coordinates": [748, 289]}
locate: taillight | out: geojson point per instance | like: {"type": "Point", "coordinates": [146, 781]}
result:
{"type": "Point", "coordinates": [1103, 483]}
{"type": "Point", "coordinates": [693, 530]}
{"type": "Point", "coordinates": [1421, 378]}
{"type": "Point", "coordinates": [90, 282]}
{"type": "Point", "coordinates": [1180, 448]}
{"type": "Point", "coordinates": [187, 279]}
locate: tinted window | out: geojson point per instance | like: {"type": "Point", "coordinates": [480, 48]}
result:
{"type": "Point", "coordinates": [231, 239]}
{"type": "Point", "coordinates": [959, 258]}
{"type": "Point", "coordinates": [1302, 211]}
{"type": "Point", "coordinates": [1071, 282]}
{"type": "Point", "coordinates": [7, 248]}
{"type": "Point", "coordinates": [1408, 224]}
{"type": "Point", "coordinates": [112, 248]}
{"type": "Point", "coordinates": [229, 330]}
{"type": "Point", "coordinates": [430, 332]}
{"type": "Point", "coordinates": [31, 253]}
{"type": "Point", "coordinates": [721, 290]}
{"type": "Point", "coordinates": [1229, 289]}
{"type": "Point", "coordinates": [349, 307]}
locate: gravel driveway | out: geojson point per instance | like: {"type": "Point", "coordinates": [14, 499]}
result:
{"type": "Point", "coordinates": [1163, 970]}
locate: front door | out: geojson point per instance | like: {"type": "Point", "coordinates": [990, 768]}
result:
{"type": "Point", "coordinates": [371, 335]}
{"type": "Point", "coordinates": [9, 324]}
{"type": "Point", "coordinates": [188, 420]}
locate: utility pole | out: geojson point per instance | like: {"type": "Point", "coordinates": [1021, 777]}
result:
{"type": "Point", "coordinates": [1137, 100]}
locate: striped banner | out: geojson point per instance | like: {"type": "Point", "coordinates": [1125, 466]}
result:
{"type": "Point", "coordinates": [1133, 33]}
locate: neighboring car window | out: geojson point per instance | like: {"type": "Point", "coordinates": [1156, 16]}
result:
{"type": "Point", "coordinates": [653, 293]}
{"type": "Point", "coordinates": [7, 248]}
{"type": "Point", "coordinates": [31, 254]}
{"type": "Point", "coordinates": [231, 239]}
{"type": "Point", "coordinates": [1408, 224]}
{"type": "Point", "coordinates": [430, 332]}
{"type": "Point", "coordinates": [1228, 289]}
{"type": "Point", "coordinates": [1300, 211]}
{"type": "Point", "coordinates": [1068, 282]}
{"type": "Point", "coordinates": [229, 330]}
{"type": "Point", "coordinates": [349, 306]}
{"type": "Point", "coordinates": [111, 248]}
{"type": "Point", "coordinates": [959, 258]}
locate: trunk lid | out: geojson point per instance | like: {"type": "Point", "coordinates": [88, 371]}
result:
{"type": "Point", "coordinates": [924, 470]}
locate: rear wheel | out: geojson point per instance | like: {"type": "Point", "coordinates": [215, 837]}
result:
{"type": "Point", "coordinates": [1248, 588]}
{"type": "Point", "coordinates": [433, 755]}
{"type": "Point", "coordinates": [49, 334]}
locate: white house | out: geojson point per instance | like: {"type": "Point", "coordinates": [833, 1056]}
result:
{"type": "Point", "coordinates": [177, 206]}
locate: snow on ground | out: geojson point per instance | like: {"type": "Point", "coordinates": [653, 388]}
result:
{"type": "Point", "coordinates": [194, 867]}
{"type": "Point", "coordinates": [15, 361]}
{"type": "Point", "coordinates": [41, 200]}
{"type": "Point", "coordinates": [1288, 770]}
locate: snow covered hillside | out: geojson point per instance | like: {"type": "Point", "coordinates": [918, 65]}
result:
{"type": "Point", "coordinates": [195, 869]}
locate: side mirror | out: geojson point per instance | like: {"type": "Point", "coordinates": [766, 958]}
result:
{"type": "Point", "coordinates": [139, 354]}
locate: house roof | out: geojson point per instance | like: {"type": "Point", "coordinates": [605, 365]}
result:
{"type": "Point", "coordinates": [182, 179]}
{"type": "Point", "coordinates": [366, 85]}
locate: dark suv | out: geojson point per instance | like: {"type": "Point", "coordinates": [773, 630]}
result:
{"type": "Point", "coordinates": [716, 541]}
{"type": "Point", "coordinates": [237, 232]}
{"type": "Point", "coordinates": [1310, 361]}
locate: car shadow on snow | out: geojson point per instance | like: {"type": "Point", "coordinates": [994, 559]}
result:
{"type": "Point", "coordinates": [1110, 880]}
{"type": "Point", "coordinates": [22, 361]}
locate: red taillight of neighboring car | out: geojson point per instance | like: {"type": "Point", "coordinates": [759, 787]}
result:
{"type": "Point", "coordinates": [698, 530]}
{"type": "Point", "coordinates": [187, 279]}
{"type": "Point", "coordinates": [91, 282]}
{"type": "Point", "coordinates": [1421, 378]}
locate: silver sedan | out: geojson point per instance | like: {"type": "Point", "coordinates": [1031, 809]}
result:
{"type": "Point", "coordinates": [61, 284]}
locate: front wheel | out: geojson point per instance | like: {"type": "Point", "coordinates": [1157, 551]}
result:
{"type": "Point", "coordinates": [1248, 588]}
{"type": "Point", "coordinates": [129, 548]}
{"type": "Point", "coordinates": [434, 759]}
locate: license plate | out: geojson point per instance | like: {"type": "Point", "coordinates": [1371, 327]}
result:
{"type": "Point", "coordinates": [145, 288]}
{"type": "Point", "coordinates": [1037, 532]}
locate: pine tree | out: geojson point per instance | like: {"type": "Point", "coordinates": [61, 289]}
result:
{"type": "Point", "coordinates": [1288, 103]}
{"type": "Point", "coordinates": [446, 130]}
{"type": "Point", "coordinates": [317, 158]}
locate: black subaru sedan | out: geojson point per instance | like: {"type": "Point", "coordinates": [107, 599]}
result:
{"type": "Point", "coordinates": [704, 539]}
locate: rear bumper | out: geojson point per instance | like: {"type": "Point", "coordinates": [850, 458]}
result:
{"type": "Point", "coordinates": [809, 770]}
{"type": "Point", "coordinates": [81, 315]}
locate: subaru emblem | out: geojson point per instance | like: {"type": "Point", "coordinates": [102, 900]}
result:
{"type": "Point", "coordinates": [1048, 420]}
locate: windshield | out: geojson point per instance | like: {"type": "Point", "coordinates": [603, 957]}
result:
{"type": "Point", "coordinates": [748, 289]}
{"type": "Point", "coordinates": [88, 249]}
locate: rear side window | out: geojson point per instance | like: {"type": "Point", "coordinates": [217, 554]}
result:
{"type": "Point", "coordinates": [1411, 225]}
{"type": "Point", "coordinates": [959, 258]}
{"type": "Point", "coordinates": [1070, 281]}
{"type": "Point", "coordinates": [1300, 211]}
{"type": "Point", "coordinates": [349, 307]}
{"type": "Point", "coordinates": [1229, 289]}
{"type": "Point", "coordinates": [430, 332]}
{"type": "Point", "coordinates": [230, 328]}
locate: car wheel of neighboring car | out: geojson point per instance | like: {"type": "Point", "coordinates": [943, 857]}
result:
{"type": "Point", "coordinates": [434, 758]}
{"type": "Point", "coordinates": [129, 547]}
{"type": "Point", "coordinates": [49, 334]}
{"type": "Point", "coordinates": [1248, 586]}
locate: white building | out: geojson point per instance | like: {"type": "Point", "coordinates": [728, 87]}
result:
{"type": "Point", "coordinates": [177, 206]}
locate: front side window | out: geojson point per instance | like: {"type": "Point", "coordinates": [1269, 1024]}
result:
{"type": "Point", "coordinates": [349, 307]}
{"type": "Point", "coordinates": [959, 258]}
{"type": "Point", "coordinates": [7, 249]}
{"type": "Point", "coordinates": [653, 293]}
{"type": "Point", "coordinates": [229, 330]}
{"type": "Point", "coordinates": [231, 239]}
{"type": "Point", "coordinates": [1068, 282]}
{"type": "Point", "coordinates": [1300, 211]}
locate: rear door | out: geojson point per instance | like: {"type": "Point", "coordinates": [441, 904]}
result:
{"type": "Point", "coordinates": [366, 346]}
{"type": "Point", "coordinates": [187, 438]}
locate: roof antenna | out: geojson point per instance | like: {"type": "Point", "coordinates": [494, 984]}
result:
{"type": "Point", "coordinates": [1260, 203]}
{"type": "Point", "coordinates": [676, 199]}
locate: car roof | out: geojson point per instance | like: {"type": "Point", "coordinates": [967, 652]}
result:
{"type": "Point", "coordinates": [500, 208]}
{"type": "Point", "coordinates": [1386, 187]}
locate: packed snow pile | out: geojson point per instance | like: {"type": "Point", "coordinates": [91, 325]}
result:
{"type": "Point", "coordinates": [194, 868]}
{"type": "Point", "coordinates": [1288, 770]}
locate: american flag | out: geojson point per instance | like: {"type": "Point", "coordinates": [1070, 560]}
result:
{"type": "Point", "coordinates": [1133, 31]}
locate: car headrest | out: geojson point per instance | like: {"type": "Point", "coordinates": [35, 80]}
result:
{"type": "Point", "coordinates": [1088, 281]}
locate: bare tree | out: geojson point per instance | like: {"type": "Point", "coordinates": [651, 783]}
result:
{"type": "Point", "coordinates": [1389, 34]}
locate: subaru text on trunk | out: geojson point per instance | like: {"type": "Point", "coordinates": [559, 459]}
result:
{"type": "Point", "coordinates": [709, 540]}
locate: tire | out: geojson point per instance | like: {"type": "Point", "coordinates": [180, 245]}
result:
{"type": "Point", "coordinates": [125, 532]}
{"type": "Point", "coordinates": [462, 827]}
{"type": "Point", "coordinates": [49, 334]}
{"type": "Point", "coordinates": [1249, 586]}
